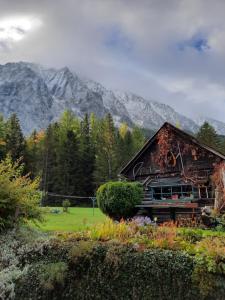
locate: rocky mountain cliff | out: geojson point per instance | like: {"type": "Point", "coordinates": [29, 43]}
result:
{"type": "Point", "coordinates": [39, 95]}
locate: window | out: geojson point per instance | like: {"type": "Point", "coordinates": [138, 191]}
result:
{"type": "Point", "coordinates": [172, 192]}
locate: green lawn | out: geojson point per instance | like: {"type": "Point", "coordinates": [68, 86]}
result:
{"type": "Point", "coordinates": [77, 218]}
{"type": "Point", "coordinates": [80, 218]}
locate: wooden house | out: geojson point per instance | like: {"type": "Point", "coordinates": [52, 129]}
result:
{"type": "Point", "coordinates": [175, 170]}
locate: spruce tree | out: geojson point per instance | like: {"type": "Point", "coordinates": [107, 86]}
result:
{"type": "Point", "coordinates": [125, 146]}
{"type": "Point", "coordinates": [34, 152]}
{"type": "Point", "coordinates": [222, 143]}
{"type": "Point", "coordinates": [87, 158]}
{"type": "Point", "coordinates": [68, 121]}
{"type": "Point", "coordinates": [50, 178]}
{"type": "Point", "coordinates": [15, 142]}
{"type": "Point", "coordinates": [94, 129]}
{"type": "Point", "coordinates": [138, 138]}
{"type": "Point", "coordinates": [69, 166]}
{"type": "Point", "coordinates": [128, 143]}
{"type": "Point", "coordinates": [207, 135]}
{"type": "Point", "coordinates": [129, 147]}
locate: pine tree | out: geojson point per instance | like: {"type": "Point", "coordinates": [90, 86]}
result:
{"type": "Point", "coordinates": [95, 125]}
{"type": "Point", "coordinates": [138, 138]}
{"type": "Point", "coordinates": [106, 148]}
{"type": "Point", "coordinates": [87, 158]}
{"type": "Point", "coordinates": [15, 142]}
{"type": "Point", "coordinates": [125, 146]}
{"type": "Point", "coordinates": [62, 167]}
{"type": "Point", "coordinates": [74, 156]}
{"type": "Point", "coordinates": [34, 152]}
{"type": "Point", "coordinates": [208, 136]}
{"type": "Point", "coordinates": [50, 178]}
{"type": "Point", "coordinates": [68, 121]}
{"type": "Point", "coordinates": [69, 166]}
{"type": "Point", "coordinates": [129, 147]}
{"type": "Point", "coordinates": [222, 143]}
{"type": "Point", "coordinates": [129, 143]}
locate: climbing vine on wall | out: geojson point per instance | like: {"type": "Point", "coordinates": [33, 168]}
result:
{"type": "Point", "coordinates": [173, 150]}
{"type": "Point", "coordinates": [218, 179]}
{"type": "Point", "coordinates": [165, 140]}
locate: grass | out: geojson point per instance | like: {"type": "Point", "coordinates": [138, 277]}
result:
{"type": "Point", "coordinates": [78, 218]}
{"type": "Point", "coordinates": [81, 218]}
{"type": "Point", "coordinates": [203, 232]}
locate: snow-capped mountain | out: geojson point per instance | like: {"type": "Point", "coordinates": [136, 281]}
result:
{"type": "Point", "coordinates": [39, 95]}
{"type": "Point", "coordinates": [144, 113]}
{"type": "Point", "coordinates": [25, 93]}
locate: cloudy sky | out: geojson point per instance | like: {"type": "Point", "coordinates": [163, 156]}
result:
{"type": "Point", "coordinates": [167, 50]}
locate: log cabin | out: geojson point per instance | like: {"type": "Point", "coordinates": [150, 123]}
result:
{"type": "Point", "coordinates": [175, 170]}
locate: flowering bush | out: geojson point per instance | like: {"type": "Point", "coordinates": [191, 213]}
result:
{"type": "Point", "coordinates": [142, 221]}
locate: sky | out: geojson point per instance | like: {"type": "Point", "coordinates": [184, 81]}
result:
{"type": "Point", "coordinates": [172, 51]}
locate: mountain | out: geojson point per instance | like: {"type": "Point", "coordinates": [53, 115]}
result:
{"type": "Point", "coordinates": [25, 93]}
{"type": "Point", "coordinates": [39, 95]}
{"type": "Point", "coordinates": [144, 113]}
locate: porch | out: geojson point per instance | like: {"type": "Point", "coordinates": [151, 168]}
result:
{"type": "Point", "coordinates": [172, 198]}
{"type": "Point", "coordinates": [166, 210]}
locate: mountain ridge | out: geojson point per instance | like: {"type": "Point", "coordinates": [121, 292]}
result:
{"type": "Point", "coordinates": [39, 95]}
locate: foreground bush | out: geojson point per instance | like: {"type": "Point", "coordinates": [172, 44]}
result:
{"type": "Point", "coordinates": [19, 196]}
{"type": "Point", "coordinates": [73, 266]}
{"type": "Point", "coordinates": [118, 199]}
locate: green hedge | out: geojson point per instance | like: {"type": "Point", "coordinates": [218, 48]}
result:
{"type": "Point", "coordinates": [118, 199]}
{"type": "Point", "coordinates": [91, 270]}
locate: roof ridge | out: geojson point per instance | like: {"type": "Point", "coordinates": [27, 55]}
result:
{"type": "Point", "coordinates": [150, 140]}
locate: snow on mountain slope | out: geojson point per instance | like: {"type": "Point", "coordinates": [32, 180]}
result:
{"type": "Point", "coordinates": [170, 115]}
{"type": "Point", "coordinates": [70, 92]}
{"type": "Point", "coordinates": [111, 102]}
{"type": "Point", "coordinates": [24, 92]}
{"type": "Point", "coordinates": [144, 113]}
{"type": "Point", "coordinates": [140, 110]}
{"type": "Point", "coordinates": [39, 95]}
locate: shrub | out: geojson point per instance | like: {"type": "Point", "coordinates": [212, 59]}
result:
{"type": "Point", "coordinates": [190, 235]}
{"type": "Point", "coordinates": [66, 204]}
{"type": "Point", "coordinates": [52, 274]}
{"type": "Point", "coordinates": [109, 230]}
{"type": "Point", "coordinates": [76, 267]}
{"type": "Point", "coordinates": [56, 211]}
{"type": "Point", "coordinates": [21, 244]}
{"type": "Point", "coordinates": [118, 199]}
{"type": "Point", "coordinates": [113, 271]}
{"type": "Point", "coordinates": [19, 195]}
{"type": "Point", "coordinates": [81, 249]}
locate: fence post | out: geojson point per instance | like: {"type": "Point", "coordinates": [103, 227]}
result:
{"type": "Point", "coordinates": [93, 204]}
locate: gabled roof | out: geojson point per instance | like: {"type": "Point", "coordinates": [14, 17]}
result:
{"type": "Point", "coordinates": [177, 130]}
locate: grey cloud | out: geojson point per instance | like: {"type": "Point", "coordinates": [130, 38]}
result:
{"type": "Point", "coordinates": [142, 56]}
